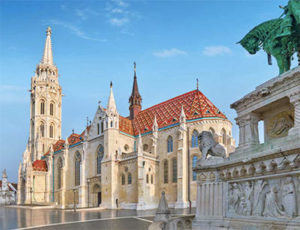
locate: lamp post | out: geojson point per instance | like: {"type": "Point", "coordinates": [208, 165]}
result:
{"type": "Point", "coordinates": [88, 182]}
{"type": "Point", "coordinates": [31, 196]}
{"type": "Point", "coordinates": [74, 191]}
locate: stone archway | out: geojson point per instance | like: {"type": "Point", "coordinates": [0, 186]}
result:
{"type": "Point", "coordinates": [96, 195]}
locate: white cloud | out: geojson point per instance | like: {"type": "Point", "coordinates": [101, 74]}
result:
{"type": "Point", "coordinates": [118, 13]}
{"type": "Point", "coordinates": [75, 30]}
{"type": "Point", "coordinates": [169, 53]}
{"type": "Point", "coordinates": [85, 13]}
{"type": "Point", "coordinates": [216, 50]}
{"type": "Point", "coordinates": [119, 21]}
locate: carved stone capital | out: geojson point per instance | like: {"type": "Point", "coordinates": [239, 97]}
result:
{"type": "Point", "coordinates": [295, 98]}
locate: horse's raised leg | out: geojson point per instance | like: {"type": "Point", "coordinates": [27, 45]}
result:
{"type": "Point", "coordinates": [280, 64]}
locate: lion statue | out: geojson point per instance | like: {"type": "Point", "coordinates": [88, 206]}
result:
{"type": "Point", "coordinates": [208, 146]}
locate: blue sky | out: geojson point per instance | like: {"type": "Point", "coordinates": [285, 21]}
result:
{"type": "Point", "coordinates": [95, 42]}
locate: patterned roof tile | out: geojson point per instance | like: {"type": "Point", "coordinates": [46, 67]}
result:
{"type": "Point", "coordinates": [194, 103]}
{"type": "Point", "coordinates": [39, 165]}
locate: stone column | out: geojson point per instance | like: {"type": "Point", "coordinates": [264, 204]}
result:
{"type": "Point", "coordinates": [295, 101]}
{"type": "Point", "coordinates": [248, 128]}
{"type": "Point", "coordinates": [210, 200]}
{"type": "Point", "coordinates": [140, 184]}
{"type": "Point", "coordinates": [64, 179]}
{"type": "Point", "coordinates": [182, 170]}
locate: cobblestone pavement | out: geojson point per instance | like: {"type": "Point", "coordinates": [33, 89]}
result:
{"type": "Point", "coordinates": [27, 218]}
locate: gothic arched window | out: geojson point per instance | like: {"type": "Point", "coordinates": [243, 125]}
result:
{"type": "Point", "coordinates": [223, 133]}
{"type": "Point", "coordinates": [129, 178]}
{"type": "Point", "coordinates": [170, 144]}
{"type": "Point", "coordinates": [59, 172]}
{"type": "Point", "coordinates": [212, 131]}
{"type": "Point", "coordinates": [42, 130]}
{"type": "Point", "coordinates": [147, 178]}
{"type": "Point", "coordinates": [194, 163]}
{"type": "Point", "coordinates": [100, 154]}
{"type": "Point", "coordinates": [174, 170]}
{"type": "Point", "coordinates": [102, 126]}
{"type": "Point", "coordinates": [151, 178]}
{"type": "Point", "coordinates": [51, 109]}
{"type": "Point", "coordinates": [195, 139]}
{"type": "Point", "coordinates": [51, 131]}
{"type": "Point", "coordinates": [123, 179]}
{"type": "Point", "coordinates": [166, 171]}
{"type": "Point", "coordinates": [42, 107]}
{"type": "Point", "coordinates": [77, 168]}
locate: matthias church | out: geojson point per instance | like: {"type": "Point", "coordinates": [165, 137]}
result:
{"type": "Point", "coordinates": [117, 161]}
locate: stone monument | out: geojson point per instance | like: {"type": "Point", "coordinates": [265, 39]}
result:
{"type": "Point", "coordinates": [258, 185]}
{"type": "Point", "coordinates": [278, 37]}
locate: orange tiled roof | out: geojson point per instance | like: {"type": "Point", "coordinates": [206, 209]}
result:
{"type": "Point", "coordinates": [39, 165]}
{"type": "Point", "coordinates": [125, 125]}
{"type": "Point", "coordinates": [195, 106]}
{"type": "Point", "coordinates": [60, 144]}
{"type": "Point", "coordinates": [74, 138]}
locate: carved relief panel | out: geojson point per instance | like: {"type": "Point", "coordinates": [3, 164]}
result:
{"type": "Point", "coordinates": [278, 198]}
{"type": "Point", "coordinates": [279, 125]}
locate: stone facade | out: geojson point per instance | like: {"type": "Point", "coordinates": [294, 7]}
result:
{"type": "Point", "coordinates": [119, 162]}
{"type": "Point", "coordinates": [258, 186]}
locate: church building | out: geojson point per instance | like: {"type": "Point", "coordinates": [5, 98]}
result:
{"type": "Point", "coordinates": [116, 161]}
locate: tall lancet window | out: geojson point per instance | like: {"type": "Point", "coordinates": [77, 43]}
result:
{"type": "Point", "coordinates": [174, 169]}
{"type": "Point", "coordinates": [166, 170]}
{"type": "Point", "coordinates": [51, 109]}
{"type": "Point", "coordinates": [42, 130]}
{"type": "Point", "coordinates": [170, 144]}
{"type": "Point", "coordinates": [194, 162]}
{"type": "Point", "coordinates": [223, 133]}
{"type": "Point", "coordinates": [195, 139]}
{"type": "Point", "coordinates": [42, 107]}
{"type": "Point", "coordinates": [77, 168]}
{"type": "Point", "coordinates": [51, 131]}
{"type": "Point", "coordinates": [100, 154]}
{"type": "Point", "coordinates": [59, 172]}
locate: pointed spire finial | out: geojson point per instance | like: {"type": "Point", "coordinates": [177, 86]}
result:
{"type": "Point", "coordinates": [48, 31]}
{"type": "Point", "coordinates": [111, 84]}
{"type": "Point", "coordinates": [72, 131]}
{"type": "Point", "coordinates": [47, 56]}
{"type": "Point", "coordinates": [111, 105]}
{"type": "Point", "coordinates": [134, 66]}
{"type": "Point", "coordinates": [197, 84]}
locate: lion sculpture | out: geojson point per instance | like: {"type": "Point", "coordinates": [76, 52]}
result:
{"type": "Point", "coordinates": [208, 146]}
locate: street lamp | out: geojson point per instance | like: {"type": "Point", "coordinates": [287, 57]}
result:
{"type": "Point", "coordinates": [74, 191]}
{"type": "Point", "coordinates": [31, 196]}
{"type": "Point", "coordinates": [88, 181]}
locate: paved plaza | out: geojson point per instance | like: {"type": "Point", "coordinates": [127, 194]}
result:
{"type": "Point", "coordinates": [27, 218]}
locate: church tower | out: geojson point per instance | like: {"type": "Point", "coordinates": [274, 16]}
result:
{"type": "Point", "coordinates": [45, 104]}
{"type": "Point", "coordinates": [135, 99]}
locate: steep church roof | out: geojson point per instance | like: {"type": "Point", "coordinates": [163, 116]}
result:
{"type": "Point", "coordinates": [195, 106]}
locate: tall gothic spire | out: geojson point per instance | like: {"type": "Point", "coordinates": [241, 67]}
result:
{"type": "Point", "coordinates": [135, 99]}
{"type": "Point", "coordinates": [47, 56]}
{"type": "Point", "coordinates": [111, 105]}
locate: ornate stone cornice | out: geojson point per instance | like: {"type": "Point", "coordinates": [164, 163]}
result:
{"type": "Point", "coordinates": [292, 76]}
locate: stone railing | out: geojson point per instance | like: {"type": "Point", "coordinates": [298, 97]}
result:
{"type": "Point", "coordinates": [126, 156]}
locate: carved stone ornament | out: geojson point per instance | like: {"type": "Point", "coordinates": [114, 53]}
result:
{"type": "Point", "coordinates": [275, 198]}
{"type": "Point", "coordinates": [208, 146]}
{"type": "Point", "coordinates": [280, 124]}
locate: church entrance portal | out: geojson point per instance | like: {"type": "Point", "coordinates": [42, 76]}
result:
{"type": "Point", "coordinates": [96, 194]}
